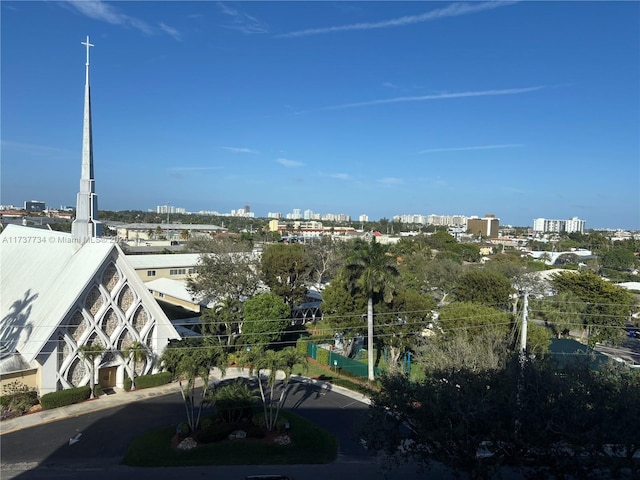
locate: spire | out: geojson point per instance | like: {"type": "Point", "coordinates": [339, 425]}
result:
{"type": "Point", "coordinates": [86, 225]}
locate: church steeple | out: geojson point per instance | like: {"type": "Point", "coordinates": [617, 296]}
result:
{"type": "Point", "coordinates": [86, 225]}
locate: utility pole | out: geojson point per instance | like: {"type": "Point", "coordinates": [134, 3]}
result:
{"type": "Point", "coordinates": [523, 334]}
{"type": "Point", "coordinates": [522, 357]}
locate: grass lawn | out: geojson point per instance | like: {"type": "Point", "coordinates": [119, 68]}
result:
{"type": "Point", "coordinates": [311, 445]}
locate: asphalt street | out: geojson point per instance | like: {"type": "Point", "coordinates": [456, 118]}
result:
{"type": "Point", "coordinates": [92, 445]}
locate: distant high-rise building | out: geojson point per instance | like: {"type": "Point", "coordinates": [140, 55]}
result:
{"type": "Point", "coordinates": [546, 225]}
{"type": "Point", "coordinates": [34, 206]}
{"type": "Point", "coordinates": [308, 214]}
{"type": "Point", "coordinates": [297, 214]}
{"type": "Point", "coordinates": [363, 218]}
{"type": "Point", "coordinates": [484, 227]}
{"type": "Point", "coordinates": [447, 220]}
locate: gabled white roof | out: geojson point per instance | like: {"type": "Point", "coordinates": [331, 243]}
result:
{"type": "Point", "coordinates": [174, 288]}
{"type": "Point", "coordinates": [177, 260]}
{"type": "Point", "coordinates": [42, 273]}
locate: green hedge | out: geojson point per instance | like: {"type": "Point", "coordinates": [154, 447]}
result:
{"type": "Point", "coordinates": [302, 345]}
{"type": "Point", "coordinates": [65, 397]}
{"type": "Point", "coordinates": [322, 356]}
{"type": "Point", "coordinates": [127, 384]}
{"type": "Point", "coordinates": [154, 380]}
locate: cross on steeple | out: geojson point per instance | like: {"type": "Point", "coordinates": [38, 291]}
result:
{"type": "Point", "coordinates": [87, 64]}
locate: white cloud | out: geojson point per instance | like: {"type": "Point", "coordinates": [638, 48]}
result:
{"type": "Point", "coordinates": [240, 150]}
{"type": "Point", "coordinates": [340, 176]}
{"type": "Point", "coordinates": [99, 10]}
{"type": "Point", "coordinates": [479, 147]}
{"type": "Point", "coordinates": [242, 22]}
{"type": "Point", "coordinates": [193, 169]}
{"type": "Point", "coordinates": [390, 181]}
{"type": "Point", "coordinates": [171, 31]}
{"type": "Point", "coordinates": [289, 163]}
{"type": "Point", "coordinates": [440, 96]}
{"type": "Point", "coordinates": [453, 10]}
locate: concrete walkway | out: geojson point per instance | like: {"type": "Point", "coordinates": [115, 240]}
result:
{"type": "Point", "coordinates": [120, 397]}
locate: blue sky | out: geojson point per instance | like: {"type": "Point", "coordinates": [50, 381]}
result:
{"type": "Point", "coordinates": [522, 109]}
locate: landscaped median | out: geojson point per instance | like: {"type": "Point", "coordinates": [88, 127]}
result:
{"type": "Point", "coordinates": [309, 444]}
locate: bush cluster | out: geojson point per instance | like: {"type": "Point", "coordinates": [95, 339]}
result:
{"type": "Point", "coordinates": [65, 397]}
{"type": "Point", "coordinates": [259, 421]}
{"type": "Point", "coordinates": [154, 380]}
{"type": "Point", "coordinates": [322, 356]}
{"type": "Point", "coordinates": [302, 345]}
{"type": "Point", "coordinates": [17, 398]}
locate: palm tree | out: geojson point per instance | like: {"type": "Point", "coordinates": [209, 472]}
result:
{"type": "Point", "coordinates": [190, 359]}
{"type": "Point", "coordinates": [89, 353]}
{"type": "Point", "coordinates": [266, 365]}
{"type": "Point", "coordinates": [372, 271]}
{"type": "Point", "coordinates": [138, 352]}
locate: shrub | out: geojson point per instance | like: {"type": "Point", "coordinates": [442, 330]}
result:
{"type": "Point", "coordinates": [322, 356]}
{"type": "Point", "coordinates": [216, 433]}
{"type": "Point", "coordinates": [127, 384]}
{"type": "Point", "coordinates": [259, 421]}
{"type": "Point", "coordinates": [154, 380]}
{"type": "Point", "coordinates": [65, 397]}
{"type": "Point", "coordinates": [302, 345]}
{"type": "Point", "coordinates": [97, 390]}
{"type": "Point", "coordinates": [17, 398]}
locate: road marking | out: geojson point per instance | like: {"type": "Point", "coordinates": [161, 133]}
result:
{"type": "Point", "coordinates": [75, 439]}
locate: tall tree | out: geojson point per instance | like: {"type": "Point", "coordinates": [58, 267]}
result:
{"type": "Point", "coordinates": [370, 270]}
{"type": "Point", "coordinates": [90, 353]}
{"type": "Point", "coordinates": [224, 321]}
{"type": "Point", "coordinates": [266, 316]}
{"type": "Point", "coordinates": [136, 352]}
{"type": "Point", "coordinates": [286, 270]}
{"type": "Point", "coordinates": [484, 287]}
{"type": "Point", "coordinates": [608, 306]}
{"type": "Point", "coordinates": [326, 257]}
{"type": "Point", "coordinates": [266, 365]}
{"type": "Point", "coordinates": [189, 359]}
{"type": "Point", "coordinates": [403, 321]}
{"type": "Point", "coordinates": [226, 269]}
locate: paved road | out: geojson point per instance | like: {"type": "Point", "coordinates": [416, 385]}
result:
{"type": "Point", "coordinates": [44, 451]}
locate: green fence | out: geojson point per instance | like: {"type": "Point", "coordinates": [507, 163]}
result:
{"type": "Point", "coordinates": [339, 362]}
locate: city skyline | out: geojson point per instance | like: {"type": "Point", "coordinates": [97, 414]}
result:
{"type": "Point", "coordinates": [526, 110]}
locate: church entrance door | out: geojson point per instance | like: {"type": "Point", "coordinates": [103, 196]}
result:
{"type": "Point", "coordinates": [107, 377]}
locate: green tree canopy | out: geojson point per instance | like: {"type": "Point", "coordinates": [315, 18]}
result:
{"type": "Point", "coordinates": [484, 287]}
{"type": "Point", "coordinates": [266, 316]}
{"type": "Point", "coordinates": [227, 270]}
{"type": "Point", "coordinates": [371, 271]}
{"type": "Point", "coordinates": [619, 258]}
{"type": "Point", "coordinates": [287, 270]}
{"type": "Point", "coordinates": [607, 306]}
{"type": "Point", "coordinates": [401, 321]}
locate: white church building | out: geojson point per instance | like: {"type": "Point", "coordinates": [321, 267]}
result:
{"type": "Point", "coordinates": [60, 291]}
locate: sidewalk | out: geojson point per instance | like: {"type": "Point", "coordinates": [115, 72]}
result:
{"type": "Point", "coordinates": [122, 398]}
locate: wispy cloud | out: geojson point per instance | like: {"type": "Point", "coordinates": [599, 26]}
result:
{"type": "Point", "coordinates": [440, 96]}
{"type": "Point", "coordinates": [105, 12]}
{"type": "Point", "coordinates": [340, 176]}
{"type": "Point", "coordinates": [34, 149]}
{"type": "Point", "coordinates": [99, 10]}
{"type": "Point", "coordinates": [240, 150]}
{"type": "Point", "coordinates": [289, 163]}
{"type": "Point", "coordinates": [193, 169]}
{"type": "Point", "coordinates": [242, 22]}
{"type": "Point", "coordinates": [390, 181]}
{"type": "Point", "coordinates": [453, 10]}
{"type": "Point", "coordinates": [478, 147]}
{"type": "Point", "coordinates": [171, 31]}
